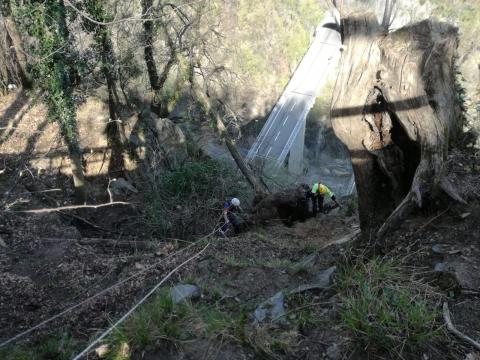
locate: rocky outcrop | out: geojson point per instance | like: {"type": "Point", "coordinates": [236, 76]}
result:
{"type": "Point", "coordinates": [156, 144]}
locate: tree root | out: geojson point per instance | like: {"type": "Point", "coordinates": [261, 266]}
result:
{"type": "Point", "coordinates": [400, 213]}
{"type": "Point", "coordinates": [455, 331]}
{"type": "Point", "coordinates": [414, 199]}
{"type": "Point", "coordinates": [450, 190]}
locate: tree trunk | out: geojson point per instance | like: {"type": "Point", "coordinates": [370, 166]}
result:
{"type": "Point", "coordinates": [204, 101]}
{"type": "Point", "coordinates": [13, 62]}
{"type": "Point", "coordinates": [114, 129]}
{"type": "Point", "coordinates": [256, 183]}
{"type": "Point", "coordinates": [66, 107]}
{"type": "Point", "coordinates": [395, 109]}
{"type": "Point", "coordinates": [159, 105]}
{"type": "Point", "coordinates": [115, 132]}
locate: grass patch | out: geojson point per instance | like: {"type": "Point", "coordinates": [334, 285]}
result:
{"type": "Point", "coordinates": [382, 311]}
{"type": "Point", "coordinates": [161, 324]}
{"type": "Point", "coordinates": [159, 320]}
{"type": "Point", "coordinates": [234, 261]}
{"type": "Point", "coordinates": [304, 311]}
{"type": "Point", "coordinates": [53, 348]}
{"type": "Point", "coordinates": [284, 264]}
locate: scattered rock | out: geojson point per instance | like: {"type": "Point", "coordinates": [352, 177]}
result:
{"type": "Point", "coordinates": [465, 215]}
{"type": "Point", "coordinates": [440, 267]}
{"type": "Point", "coordinates": [139, 266]}
{"type": "Point", "coordinates": [2, 243]}
{"type": "Point", "coordinates": [324, 278]}
{"type": "Point", "coordinates": [464, 275]}
{"type": "Point", "coordinates": [157, 143]}
{"type": "Point", "coordinates": [165, 250]}
{"type": "Point", "coordinates": [444, 249]}
{"type": "Point", "coordinates": [121, 186]}
{"type": "Point", "coordinates": [333, 352]}
{"type": "Point", "coordinates": [102, 350]}
{"type": "Point", "coordinates": [322, 281]}
{"type": "Point", "coordinates": [473, 356]}
{"type": "Point", "coordinates": [272, 309]}
{"type": "Point", "coordinates": [182, 292]}
{"type": "Point", "coordinates": [306, 264]}
{"type": "Point", "coordinates": [457, 274]}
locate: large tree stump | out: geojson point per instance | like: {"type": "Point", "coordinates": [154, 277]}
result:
{"type": "Point", "coordinates": [396, 110]}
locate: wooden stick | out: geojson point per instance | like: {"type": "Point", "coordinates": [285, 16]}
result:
{"type": "Point", "coordinates": [71, 207]}
{"type": "Point", "coordinates": [451, 328]}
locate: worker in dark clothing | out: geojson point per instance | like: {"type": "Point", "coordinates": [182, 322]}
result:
{"type": "Point", "coordinates": [229, 208]}
{"type": "Point", "coordinates": [317, 195]}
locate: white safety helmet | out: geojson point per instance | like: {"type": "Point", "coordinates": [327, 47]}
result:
{"type": "Point", "coordinates": [235, 202]}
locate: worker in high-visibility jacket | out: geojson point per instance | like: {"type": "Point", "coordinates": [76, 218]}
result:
{"type": "Point", "coordinates": [317, 195]}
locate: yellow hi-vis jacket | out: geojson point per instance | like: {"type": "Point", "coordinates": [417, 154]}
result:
{"type": "Point", "coordinates": [321, 189]}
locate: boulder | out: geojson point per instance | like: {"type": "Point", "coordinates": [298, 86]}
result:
{"type": "Point", "coordinates": [323, 280]}
{"type": "Point", "coordinates": [271, 309]}
{"type": "Point", "coordinates": [333, 352]}
{"type": "Point", "coordinates": [121, 186]}
{"type": "Point", "coordinates": [457, 275]}
{"type": "Point", "coordinates": [306, 264]}
{"type": "Point", "coordinates": [156, 143]}
{"type": "Point", "coordinates": [182, 292]}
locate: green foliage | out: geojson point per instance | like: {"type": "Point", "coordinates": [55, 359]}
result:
{"type": "Point", "coordinates": [231, 260]}
{"type": "Point", "coordinates": [273, 35]}
{"type": "Point", "coordinates": [197, 178]}
{"type": "Point", "coordinates": [188, 200]}
{"type": "Point", "coordinates": [52, 348]}
{"type": "Point", "coordinates": [54, 62]}
{"type": "Point", "coordinates": [304, 311]}
{"type": "Point", "coordinates": [164, 321]}
{"type": "Point", "coordinates": [160, 319]}
{"type": "Point", "coordinates": [351, 207]}
{"type": "Point", "coordinates": [381, 312]}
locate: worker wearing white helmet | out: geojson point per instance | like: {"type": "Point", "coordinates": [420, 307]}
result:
{"type": "Point", "coordinates": [229, 208]}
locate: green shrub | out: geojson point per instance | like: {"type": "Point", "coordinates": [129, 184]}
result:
{"type": "Point", "coordinates": [187, 201]}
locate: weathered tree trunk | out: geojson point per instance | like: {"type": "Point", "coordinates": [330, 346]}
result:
{"type": "Point", "coordinates": [256, 183]}
{"type": "Point", "coordinates": [114, 129]}
{"type": "Point", "coordinates": [159, 105]}
{"type": "Point", "coordinates": [13, 62]}
{"type": "Point", "coordinates": [212, 111]}
{"type": "Point", "coordinates": [395, 109]}
{"type": "Point", "coordinates": [67, 120]}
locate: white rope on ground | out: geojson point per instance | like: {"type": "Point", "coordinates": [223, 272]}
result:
{"type": "Point", "coordinates": [129, 312]}
{"type": "Point", "coordinates": [104, 291]}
